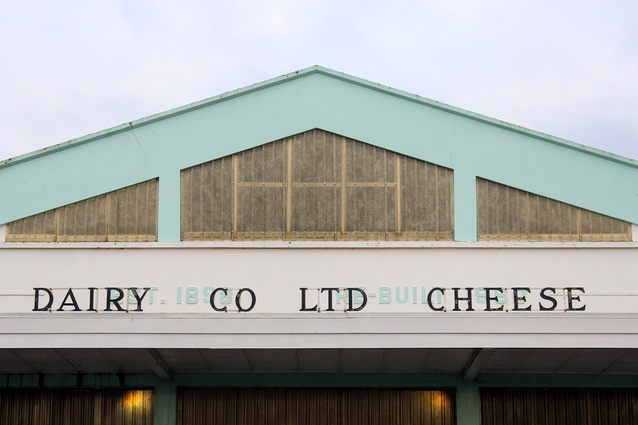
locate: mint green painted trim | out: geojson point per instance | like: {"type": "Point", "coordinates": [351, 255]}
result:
{"type": "Point", "coordinates": [402, 380]}
{"type": "Point", "coordinates": [465, 221]}
{"type": "Point", "coordinates": [157, 117]}
{"type": "Point", "coordinates": [318, 380]}
{"type": "Point", "coordinates": [168, 220]}
{"type": "Point", "coordinates": [470, 144]}
{"type": "Point", "coordinates": [334, 74]}
{"type": "Point", "coordinates": [556, 381]}
{"type": "Point", "coordinates": [468, 404]}
{"type": "Point", "coordinates": [20, 380]}
{"type": "Point", "coordinates": [77, 380]}
{"type": "Point", "coordinates": [165, 404]}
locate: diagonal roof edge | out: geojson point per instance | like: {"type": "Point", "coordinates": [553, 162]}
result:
{"type": "Point", "coordinates": [317, 69]}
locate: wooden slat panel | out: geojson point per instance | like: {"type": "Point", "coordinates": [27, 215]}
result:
{"type": "Point", "coordinates": [72, 407]}
{"type": "Point", "coordinates": [508, 214]}
{"type": "Point", "coordinates": [125, 215]}
{"type": "Point", "coordinates": [426, 197]}
{"type": "Point", "coordinates": [314, 407]}
{"type": "Point", "coordinates": [323, 202]}
{"type": "Point", "coordinates": [317, 185]}
{"type": "Point", "coordinates": [260, 207]}
{"type": "Point", "coordinates": [559, 406]}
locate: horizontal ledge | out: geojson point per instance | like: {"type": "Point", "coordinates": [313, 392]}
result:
{"type": "Point", "coordinates": [503, 326]}
{"type": "Point", "coordinates": [311, 342]}
{"type": "Point", "coordinates": [333, 315]}
{"type": "Point", "coordinates": [274, 244]}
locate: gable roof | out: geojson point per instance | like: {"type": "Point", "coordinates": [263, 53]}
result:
{"type": "Point", "coordinates": [471, 144]}
{"type": "Point", "coordinates": [331, 73]}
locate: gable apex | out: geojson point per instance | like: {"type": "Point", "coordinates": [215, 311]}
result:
{"type": "Point", "coordinates": [470, 144]}
{"type": "Point", "coordinates": [327, 72]}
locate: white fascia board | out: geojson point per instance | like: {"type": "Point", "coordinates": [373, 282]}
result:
{"type": "Point", "coordinates": [444, 331]}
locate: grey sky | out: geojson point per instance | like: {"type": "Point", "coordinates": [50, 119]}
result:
{"type": "Point", "coordinates": [70, 68]}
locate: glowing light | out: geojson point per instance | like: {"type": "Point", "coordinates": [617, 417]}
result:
{"type": "Point", "coordinates": [135, 399]}
{"type": "Point", "coordinates": [439, 399]}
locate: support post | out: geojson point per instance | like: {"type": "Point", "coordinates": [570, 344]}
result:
{"type": "Point", "coordinates": [468, 404]}
{"type": "Point", "coordinates": [168, 222]}
{"type": "Point", "coordinates": [165, 405]}
{"type": "Point", "coordinates": [465, 220]}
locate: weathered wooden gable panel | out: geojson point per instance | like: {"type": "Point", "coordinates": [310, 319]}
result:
{"type": "Point", "coordinates": [317, 186]}
{"type": "Point", "coordinates": [506, 213]}
{"type": "Point", "coordinates": [124, 215]}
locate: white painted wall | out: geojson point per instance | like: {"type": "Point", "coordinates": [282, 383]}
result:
{"type": "Point", "coordinates": [276, 274]}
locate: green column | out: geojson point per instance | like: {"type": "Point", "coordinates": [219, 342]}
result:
{"type": "Point", "coordinates": [468, 404]}
{"type": "Point", "coordinates": [165, 404]}
{"type": "Point", "coordinates": [168, 223]}
{"type": "Point", "coordinates": [465, 222]}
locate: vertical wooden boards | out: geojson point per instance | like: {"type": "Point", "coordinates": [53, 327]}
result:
{"type": "Point", "coordinates": [559, 406]}
{"type": "Point", "coordinates": [506, 213]}
{"type": "Point", "coordinates": [318, 186]}
{"type": "Point", "coordinates": [284, 406]}
{"type": "Point", "coordinates": [71, 407]}
{"type": "Point", "coordinates": [124, 215]}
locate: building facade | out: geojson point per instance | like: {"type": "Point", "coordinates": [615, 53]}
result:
{"type": "Point", "coordinates": [318, 248]}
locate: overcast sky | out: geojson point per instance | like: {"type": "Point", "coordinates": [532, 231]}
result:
{"type": "Point", "coordinates": [562, 67]}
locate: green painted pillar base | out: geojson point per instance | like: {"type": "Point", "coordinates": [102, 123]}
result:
{"type": "Point", "coordinates": [468, 404]}
{"type": "Point", "coordinates": [165, 405]}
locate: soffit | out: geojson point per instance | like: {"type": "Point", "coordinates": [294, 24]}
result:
{"type": "Point", "coordinates": [374, 360]}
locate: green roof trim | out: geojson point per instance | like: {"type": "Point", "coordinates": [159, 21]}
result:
{"type": "Point", "coordinates": [473, 145]}
{"type": "Point", "coordinates": [316, 69]}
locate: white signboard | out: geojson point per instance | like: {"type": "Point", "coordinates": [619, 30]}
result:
{"type": "Point", "coordinates": [322, 281]}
